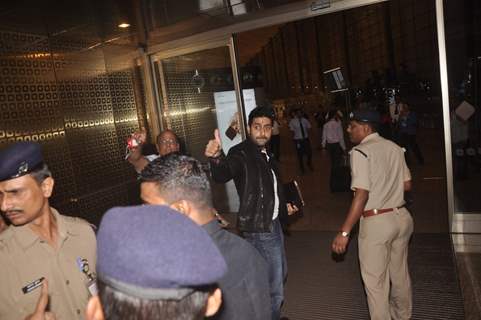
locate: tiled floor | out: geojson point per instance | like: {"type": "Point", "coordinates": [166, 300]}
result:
{"type": "Point", "coordinates": [469, 270]}
{"type": "Point", "coordinates": [320, 287]}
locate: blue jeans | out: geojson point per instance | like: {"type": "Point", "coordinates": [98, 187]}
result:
{"type": "Point", "coordinates": [271, 246]}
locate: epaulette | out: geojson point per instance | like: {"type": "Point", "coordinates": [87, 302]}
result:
{"type": "Point", "coordinates": [361, 152]}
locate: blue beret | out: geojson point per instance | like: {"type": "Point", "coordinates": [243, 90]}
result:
{"type": "Point", "coordinates": [19, 159]}
{"type": "Point", "coordinates": [155, 252]}
{"type": "Point", "coordinates": [365, 116]}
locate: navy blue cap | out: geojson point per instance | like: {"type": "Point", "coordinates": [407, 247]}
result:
{"type": "Point", "coordinates": [19, 159]}
{"type": "Point", "coordinates": [365, 116]}
{"type": "Point", "coordinates": [155, 252]}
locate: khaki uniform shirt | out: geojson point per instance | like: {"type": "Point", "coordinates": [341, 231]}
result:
{"type": "Point", "coordinates": [378, 166]}
{"type": "Point", "coordinates": [24, 258]}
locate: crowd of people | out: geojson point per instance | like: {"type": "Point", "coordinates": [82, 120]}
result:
{"type": "Point", "coordinates": [170, 258]}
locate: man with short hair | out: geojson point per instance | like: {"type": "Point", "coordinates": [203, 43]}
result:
{"type": "Point", "coordinates": [166, 142]}
{"type": "Point", "coordinates": [262, 202]}
{"type": "Point", "coordinates": [179, 182]}
{"type": "Point", "coordinates": [40, 244]}
{"type": "Point", "coordinates": [380, 177]}
{"type": "Point", "coordinates": [154, 263]}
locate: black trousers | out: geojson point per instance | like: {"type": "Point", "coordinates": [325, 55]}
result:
{"type": "Point", "coordinates": [336, 179]}
{"type": "Point", "coordinates": [303, 148]}
{"type": "Point", "coordinates": [335, 153]}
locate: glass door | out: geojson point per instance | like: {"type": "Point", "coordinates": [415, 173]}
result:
{"type": "Point", "coordinates": [197, 95]}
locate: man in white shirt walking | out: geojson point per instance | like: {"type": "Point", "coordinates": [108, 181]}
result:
{"type": "Point", "coordinates": [333, 139]}
{"type": "Point", "coordinates": [300, 127]}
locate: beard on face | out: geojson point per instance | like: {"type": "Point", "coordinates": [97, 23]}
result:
{"type": "Point", "coordinates": [261, 141]}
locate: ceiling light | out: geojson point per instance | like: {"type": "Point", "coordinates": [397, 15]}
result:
{"type": "Point", "coordinates": [124, 25]}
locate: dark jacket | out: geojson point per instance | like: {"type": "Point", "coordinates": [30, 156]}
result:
{"type": "Point", "coordinates": [254, 183]}
{"type": "Point", "coordinates": [245, 286]}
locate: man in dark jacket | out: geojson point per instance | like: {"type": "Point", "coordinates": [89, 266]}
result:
{"type": "Point", "coordinates": [179, 182]}
{"type": "Point", "coordinates": [262, 202]}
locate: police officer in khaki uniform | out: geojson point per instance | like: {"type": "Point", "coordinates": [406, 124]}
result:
{"type": "Point", "coordinates": [40, 245]}
{"type": "Point", "coordinates": [379, 178]}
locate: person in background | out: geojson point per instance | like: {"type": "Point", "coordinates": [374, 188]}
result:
{"type": "Point", "coordinates": [394, 113]}
{"type": "Point", "coordinates": [154, 263]}
{"type": "Point", "coordinates": [166, 142]}
{"type": "Point", "coordinates": [333, 139]}
{"type": "Point", "coordinates": [408, 125]}
{"type": "Point", "coordinates": [276, 139]}
{"type": "Point", "coordinates": [40, 245]}
{"type": "Point", "coordinates": [300, 127]}
{"type": "Point", "coordinates": [385, 127]}
{"type": "Point", "coordinates": [179, 182]}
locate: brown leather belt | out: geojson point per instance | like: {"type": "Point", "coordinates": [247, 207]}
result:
{"type": "Point", "coordinates": [374, 212]}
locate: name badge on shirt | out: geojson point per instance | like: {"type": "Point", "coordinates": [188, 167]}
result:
{"type": "Point", "coordinates": [83, 265]}
{"type": "Point", "coordinates": [32, 285]}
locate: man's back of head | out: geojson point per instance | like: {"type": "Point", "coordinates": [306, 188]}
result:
{"type": "Point", "coordinates": [173, 178]}
{"type": "Point", "coordinates": [149, 269]}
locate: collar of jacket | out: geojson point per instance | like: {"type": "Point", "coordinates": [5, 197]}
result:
{"type": "Point", "coordinates": [252, 145]}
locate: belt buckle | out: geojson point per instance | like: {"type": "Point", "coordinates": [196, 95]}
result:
{"type": "Point", "coordinates": [375, 211]}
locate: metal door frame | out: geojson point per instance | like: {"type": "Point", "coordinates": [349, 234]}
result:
{"type": "Point", "coordinates": [173, 50]}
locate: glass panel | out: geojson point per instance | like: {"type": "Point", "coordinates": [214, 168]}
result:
{"type": "Point", "coordinates": [199, 97]}
{"type": "Point", "coordinates": [379, 49]}
{"type": "Point", "coordinates": [191, 82]}
{"type": "Point", "coordinates": [463, 46]}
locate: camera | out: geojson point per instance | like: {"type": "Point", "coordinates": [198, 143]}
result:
{"type": "Point", "coordinates": [132, 143]}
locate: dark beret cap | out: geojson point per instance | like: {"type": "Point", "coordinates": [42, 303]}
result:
{"type": "Point", "coordinates": [365, 116]}
{"type": "Point", "coordinates": [155, 252]}
{"type": "Point", "coordinates": [19, 159]}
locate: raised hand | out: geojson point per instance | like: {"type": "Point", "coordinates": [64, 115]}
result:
{"type": "Point", "coordinates": [214, 146]}
{"type": "Point", "coordinates": [140, 136]}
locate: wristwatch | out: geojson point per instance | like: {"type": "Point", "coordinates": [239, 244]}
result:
{"type": "Point", "coordinates": [344, 234]}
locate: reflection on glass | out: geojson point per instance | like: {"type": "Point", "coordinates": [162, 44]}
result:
{"type": "Point", "coordinates": [463, 36]}
{"type": "Point", "coordinates": [191, 82]}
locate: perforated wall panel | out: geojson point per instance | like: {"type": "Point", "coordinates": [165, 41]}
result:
{"type": "Point", "coordinates": [58, 92]}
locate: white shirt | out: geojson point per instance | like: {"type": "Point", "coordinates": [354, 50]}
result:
{"type": "Point", "coordinates": [395, 110]}
{"type": "Point", "coordinates": [150, 158]}
{"type": "Point", "coordinates": [294, 125]}
{"type": "Point", "coordinates": [332, 133]}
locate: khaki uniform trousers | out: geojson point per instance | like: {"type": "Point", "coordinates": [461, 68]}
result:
{"type": "Point", "coordinates": [383, 250]}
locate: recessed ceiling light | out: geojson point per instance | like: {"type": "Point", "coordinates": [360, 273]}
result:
{"type": "Point", "coordinates": [124, 25]}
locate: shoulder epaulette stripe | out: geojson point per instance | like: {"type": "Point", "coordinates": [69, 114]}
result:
{"type": "Point", "coordinates": [362, 152]}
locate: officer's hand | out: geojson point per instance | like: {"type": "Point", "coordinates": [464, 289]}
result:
{"type": "Point", "coordinates": [40, 312]}
{"type": "Point", "coordinates": [339, 244]}
{"type": "Point", "coordinates": [291, 209]}
{"type": "Point", "coordinates": [213, 148]}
